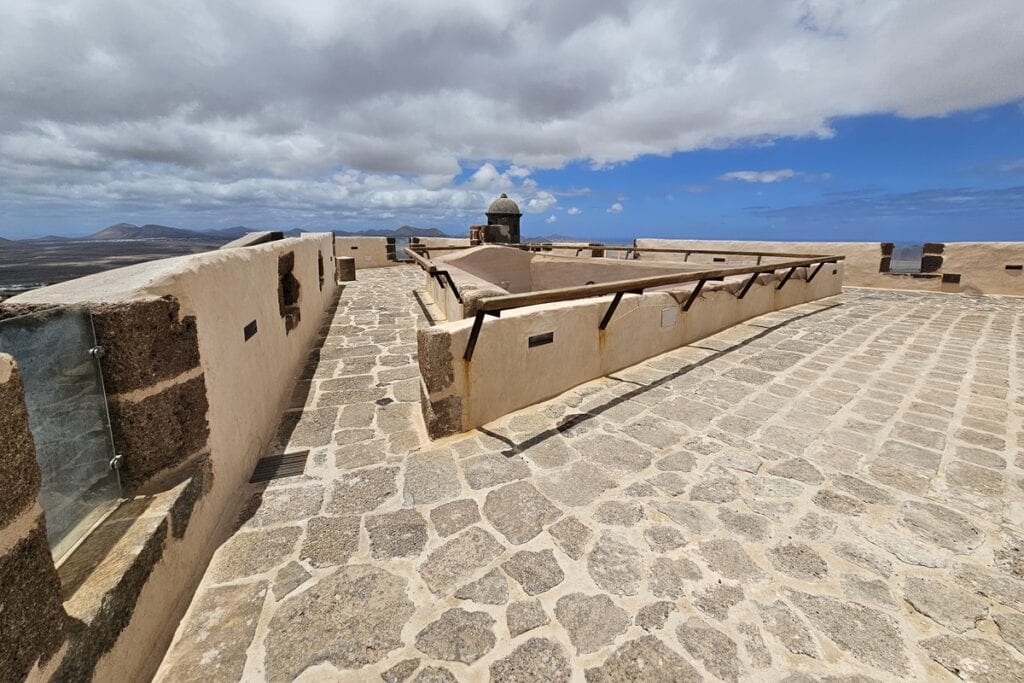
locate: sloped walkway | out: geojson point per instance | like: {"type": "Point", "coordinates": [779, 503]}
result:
{"type": "Point", "coordinates": [834, 489]}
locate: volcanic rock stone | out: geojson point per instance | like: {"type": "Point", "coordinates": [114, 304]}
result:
{"type": "Point", "coordinates": [799, 469]}
{"type": "Point", "coordinates": [974, 659]}
{"type": "Point", "coordinates": [643, 659]}
{"type": "Point", "coordinates": [619, 513]}
{"type": "Point", "coordinates": [330, 541]}
{"type": "Point", "coordinates": [947, 605]}
{"type": "Point", "coordinates": [491, 589]}
{"type": "Point", "coordinates": [435, 674]}
{"type": "Point", "coordinates": [615, 565]}
{"type": "Point", "coordinates": [571, 535]}
{"type": "Point", "coordinates": [653, 616]}
{"type": "Point", "coordinates": [397, 534]}
{"type": "Point", "coordinates": [671, 578]}
{"type": "Point", "coordinates": [688, 515]}
{"type": "Point", "coordinates": [254, 552]}
{"type": "Point", "coordinates": [798, 560]}
{"type": "Point", "coordinates": [458, 559]}
{"type": "Point", "coordinates": [401, 671]}
{"type": "Point", "coordinates": [454, 516]}
{"type": "Point", "coordinates": [592, 621]}
{"type": "Point", "coordinates": [940, 526]}
{"type": "Point", "coordinates": [717, 486]}
{"type": "Point", "coordinates": [867, 590]}
{"type": "Point", "coordinates": [713, 648]}
{"type": "Point", "coordinates": [519, 511]}
{"type": "Point", "coordinates": [288, 578]}
{"type": "Point", "coordinates": [350, 618]}
{"type": "Point", "coordinates": [728, 558]}
{"type": "Point", "coordinates": [754, 528]}
{"type": "Point", "coordinates": [1011, 629]}
{"type": "Point", "coordinates": [362, 490]}
{"type": "Point", "coordinates": [717, 599]}
{"type": "Point", "coordinates": [783, 623]}
{"type": "Point", "coordinates": [537, 660]}
{"type": "Point", "coordinates": [458, 636]}
{"type": "Point", "coordinates": [663, 538]}
{"type": "Point", "coordinates": [490, 469]}
{"type": "Point", "coordinates": [578, 485]}
{"type": "Point", "coordinates": [525, 615]}
{"type": "Point", "coordinates": [430, 478]}
{"type": "Point", "coordinates": [867, 634]}
{"type": "Point", "coordinates": [760, 656]}
{"type": "Point", "coordinates": [536, 572]}
{"type": "Point", "coordinates": [834, 501]}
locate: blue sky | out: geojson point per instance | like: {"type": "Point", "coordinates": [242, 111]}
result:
{"type": "Point", "coordinates": [958, 177]}
{"type": "Point", "coordinates": [793, 119]}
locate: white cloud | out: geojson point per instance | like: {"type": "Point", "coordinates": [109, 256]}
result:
{"type": "Point", "coordinates": [573, 211]}
{"type": "Point", "coordinates": [615, 208]}
{"type": "Point", "coordinates": [275, 91]}
{"type": "Point", "coordinates": [759, 176]}
{"type": "Point", "coordinates": [551, 219]}
{"type": "Point", "coordinates": [541, 203]}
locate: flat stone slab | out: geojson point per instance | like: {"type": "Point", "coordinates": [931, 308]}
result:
{"type": "Point", "coordinates": [350, 618]}
{"type": "Point", "coordinates": [519, 511]}
{"type": "Point", "coordinates": [591, 621]}
{"type": "Point", "coordinates": [459, 558]}
{"type": "Point", "coordinates": [458, 636]}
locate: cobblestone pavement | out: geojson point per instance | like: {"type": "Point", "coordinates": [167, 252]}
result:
{"type": "Point", "coordinates": [831, 491]}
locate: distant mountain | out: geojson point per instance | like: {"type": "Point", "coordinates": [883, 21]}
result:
{"type": "Point", "coordinates": [553, 238]}
{"type": "Point", "coordinates": [127, 231]}
{"type": "Point", "coordinates": [404, 231]}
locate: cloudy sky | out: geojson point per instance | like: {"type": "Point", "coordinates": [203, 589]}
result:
{"type": "Point", "coordinates": [843, 119]}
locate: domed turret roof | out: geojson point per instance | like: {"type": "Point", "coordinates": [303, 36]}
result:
{"type": "Point", "coordinates": [504, 205]}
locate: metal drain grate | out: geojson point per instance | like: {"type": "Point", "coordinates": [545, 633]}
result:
{"type": "Point", "coordinates": [279, 466]}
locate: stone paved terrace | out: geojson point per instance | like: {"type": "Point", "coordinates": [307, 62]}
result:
{"type": "Point", "coordinates": [829, 491]}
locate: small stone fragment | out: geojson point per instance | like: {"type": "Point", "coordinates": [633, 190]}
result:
{"type": "Point", "coordinates": [1011, 629]}
{"type": "Point", "coordinates": [816, 527]}
{"type": "Point", "coordinates": [686, 514]}
{"type": "Point", "coordinates": [536, 572]}
{"type": "Point", "coordinates": [458, 636]}
{"type": "Point", "coordinates": [940, 526]}
{"type": "Point", "coordinates": [538, 660]}
{"type": "Point", "coordinates": [713, 648]}
{"type": "Point", "coordinates": [644, 659]}
{"type": "Point", "coordinates": [524, 615]}
{"type": "Point", "coordinates": [571, 535]}
{"type": "Point", "coordinates": [1010, 557]}
{"type": "Point", "coordinates": [653, 616]}
{"type": "Point", "coordinates": [798, 560]}
{"type": "Point", "coordinates": [491, 589]}
{"type": "Point", "coordinates": [592, 621]}
{"type": "Point", "coordinates": [998, 587]}
{"type": "Point", "coordinates": [455, 516]}
{"type": "Point", "coordinates": [862, 557]}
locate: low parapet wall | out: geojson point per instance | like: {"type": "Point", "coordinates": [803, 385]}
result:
{"type": "Point", "coordinates": [201, 355]}
{"type": "Point", "coordinates": [368, 252]}
{"type": "Point", "coordinates": [964, 267]}
{"type": "Point", "coordinates": [531, 354]}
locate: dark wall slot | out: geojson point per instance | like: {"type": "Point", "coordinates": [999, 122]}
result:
{"type": "Point", "coordinates": [1014, 266]}
{"type": "Point", "coordinates": [250, 330]}
{"type": "Point", "coordinates": [953, 278]}
{"type": "Point", "coordinates": [719, 259]}
{"type": "Point", "coordinates": [353, 248]}
{"type": "Point", "coordinates": [541, 339]}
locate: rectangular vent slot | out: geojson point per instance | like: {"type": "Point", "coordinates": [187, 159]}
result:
{"type": "Point", "coordinates": [279, 466]}
{"type": "Point", "coordinates": [541, 339]}
{"type": "Point", "coordinates": [951, 277]}
{"type": "Point", "coordinates": [719, 259]}
{"type": "Point", "coordinates": [1015, 266]}
{"type": "Point", "coordinates": [250, 330]}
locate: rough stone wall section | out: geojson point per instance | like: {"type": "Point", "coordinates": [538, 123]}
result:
{"type": "Point", "coordinates": [32, 618]}
{"type": "Point", "coordinates": [155, 386]}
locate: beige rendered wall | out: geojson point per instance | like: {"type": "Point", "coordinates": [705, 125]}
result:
{"type": "Point", "coordinates": [369, 252]}
{"type": "Point", "coordinates": [981, 265]}
{"type": "Point", "coordinates": [505, 374]}
{"type": "Point", "coordinates": [247, 384]}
